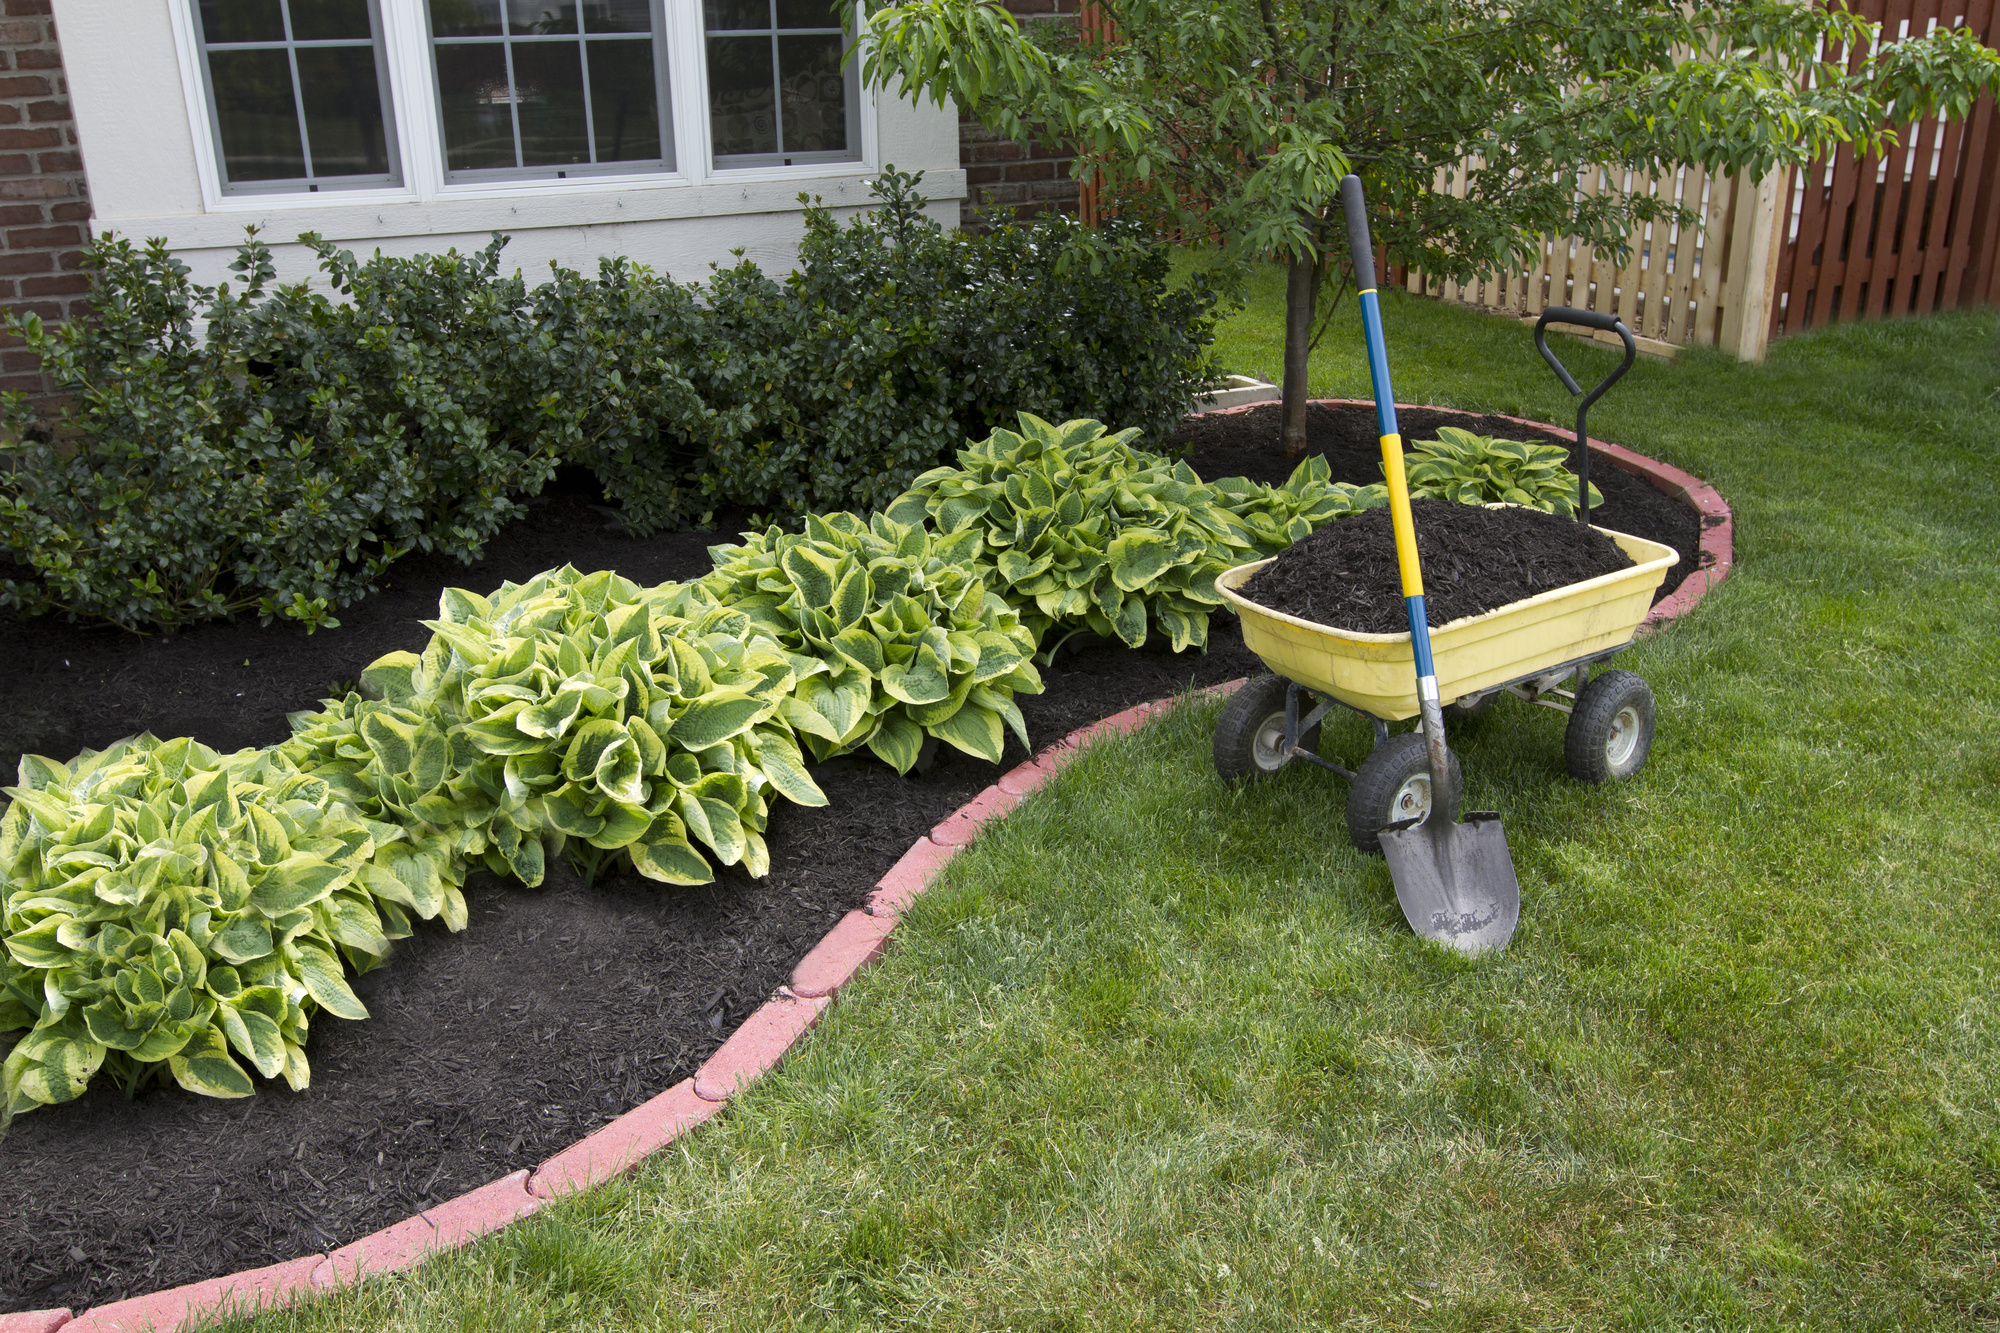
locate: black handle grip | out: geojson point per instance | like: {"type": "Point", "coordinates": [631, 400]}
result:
{"type": "Point", "coordinates": [1590, 319]}
{"type": "Point", "coordinates": [1360, 248]}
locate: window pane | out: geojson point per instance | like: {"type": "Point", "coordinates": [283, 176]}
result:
{"type": "Point", "coordinates": [618, 15]}
{"type": "Point", "coordinates": [465, 18]}
{"type": "Point", "coordinates": [343, 110]}
{"type": "Point", "coordinates": [478, 106]}
{"type": "Point", "coordinates": [623, 102]}
{"type": "Point", "coordinates": [741, 111]}
{"type": "Point", "coordinates": [808, 14]}
{"type": "Point", "coordinates": [242, 21]}
{"type": "Point", "coordinates": [255, 115]}
{"type": "Point", "coordinates": [527, 18]}
{"type": "Point", "coordinates": [548, 83]}
{"type": "Point", "coordinates": [329, 20]}
{"type": "Point", "coordinates": [729, 15]}
{"type": "Point", "coordinates": [815, 94]}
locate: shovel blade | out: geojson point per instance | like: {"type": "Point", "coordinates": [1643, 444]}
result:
{"type": "Point", "coordinates": [1455, 882]}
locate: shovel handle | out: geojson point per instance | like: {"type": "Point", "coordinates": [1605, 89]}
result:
{"type": "Point", "coordinates": [1362, 252]}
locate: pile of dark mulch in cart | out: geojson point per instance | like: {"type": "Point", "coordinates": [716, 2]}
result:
{"type": "Point", "coordinates": [1474, 560]}
{"type": "Point", "coordinates": [1246, 444]}
{"type": "Point", "coordinates": [486, 1051]}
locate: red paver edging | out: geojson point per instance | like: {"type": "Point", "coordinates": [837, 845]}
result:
{"type": "Point", "coordinates": [1718, 525]}
{"type": "Point", "coordinates": [768, 1034]}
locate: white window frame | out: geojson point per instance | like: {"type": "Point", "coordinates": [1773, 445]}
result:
{"type": "Point", "coordinates": [597, 197]}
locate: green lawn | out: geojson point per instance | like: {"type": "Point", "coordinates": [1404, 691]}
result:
{"type": "Point", "coordinates": [1161, 1055]}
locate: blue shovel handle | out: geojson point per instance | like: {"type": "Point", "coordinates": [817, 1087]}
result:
{"type": "Point", "coordinates": [1362, 251]}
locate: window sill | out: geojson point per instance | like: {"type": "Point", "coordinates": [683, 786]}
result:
{"type": "Point", "coordinates": [514, 206]}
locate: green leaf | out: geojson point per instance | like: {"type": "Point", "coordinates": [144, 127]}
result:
{"type": "Point", "coordinates": [896, 741]}
{"type": "Point", "coordinates": [204, 1066]}
{"type": "Point", "coordinates": [295, 882]}
{"type": "Point", "coordinates": [1138, 557]}
{"type": "Point", "coordinates": [975, 731]}
{"type": "Point", "coordinates": [320, 973]}
{"type": "Point", "coordinates": [716, 717]}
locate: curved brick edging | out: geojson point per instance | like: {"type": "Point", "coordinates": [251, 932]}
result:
{"type": "Point", "coordinates": [1718, 525]}
{"type": "Point", "coordinates": [767, 1034]}
{"type": "Point", "coordinates": [756, 1046]}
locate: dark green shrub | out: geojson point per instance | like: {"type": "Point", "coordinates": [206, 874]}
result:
{"type": "Point", "coordinates": [278, 459]}
{"type": "Point", "coordinates": [276, 448]}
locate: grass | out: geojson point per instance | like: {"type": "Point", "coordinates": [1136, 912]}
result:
{"type": "Point", "coordinates": [1161, 1055]}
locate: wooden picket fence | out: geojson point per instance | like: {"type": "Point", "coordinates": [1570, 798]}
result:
{"type": "Point", "coordinates": [1910, 231]}
{"type": "Point", "coordinates": [1703, 283]}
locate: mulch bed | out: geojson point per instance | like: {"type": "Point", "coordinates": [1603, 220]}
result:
{"type": "Point", "coordinates": [1474, 560]}
{"type": "Point", "coordinates": [1246, 445]}
{"type": "Point", "coordinates": [558, 1008]}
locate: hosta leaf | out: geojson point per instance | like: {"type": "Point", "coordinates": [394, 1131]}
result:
{"type": "Point", "coordinates": [922, 682]}
{"type": "Point", "coordinates": [717, 716]}
{"type": "Point", "coordinates": [295, 882]}
{"type": "Point", "coordinates": [973, 730]}
{"type": "Point", "coordinates": [1130, 622]}
{"type": "Point", "coordinates": [320, 973]}
{"type": "Point", "coordinates": [392, 676]}
{"type": "Point", "coordinates": [782, 764]}
{"type": "Point", "coordinates": [37, 946]}
{"type": "Point", "coordinates": [203, 1065]}
{"type": "Point", "coordinates": [255, 1037]}
{"type": "Point", "coordinates": [1138, 557]}
{"type": "Point", "coordinates": [621, 824]}
{"type": "Point", "coordinates": [245, 940]}
{"type": "Point", "coordinates": [665, 854]}
{"type": "Point", "coordinates": [896, 741]}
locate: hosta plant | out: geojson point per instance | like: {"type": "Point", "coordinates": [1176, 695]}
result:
{"type": "Point", "coordinates": [1479, 469]}
{"type": "Point", "coordinates": [170, 908]}
{"type": "Point", "coordinates": [1085, 532]}
{"type": "Point", "coordinates": [1277, 516]}
{"type": "Point", "coordinates": [583, 711]}
{"type": "Point", "coordinates": [902, 635]}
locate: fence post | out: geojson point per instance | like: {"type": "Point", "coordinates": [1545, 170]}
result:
{"type": "Point", "coordinates": [1756, 239]}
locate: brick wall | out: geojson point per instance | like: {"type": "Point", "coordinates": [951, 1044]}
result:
{"type": "Point", "coordinates": [1017, 178]}
{"type": "Point", "coordinates": [44, 204]}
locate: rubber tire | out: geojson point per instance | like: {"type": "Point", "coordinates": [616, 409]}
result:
{"type": "Point", "coordinates": [1371, 800]}
{"type": "Point", "coordinates": [1238, 756]}
{"type": "Point", "coordinates": [1589, 742]}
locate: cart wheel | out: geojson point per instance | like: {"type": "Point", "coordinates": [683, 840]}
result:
{"type": "Point", "coordinates": [1610, 728]}
{"type": "Point", "coordinates": [1394, 784]}
{"type": "Point", "coordinates": [1250, 735]}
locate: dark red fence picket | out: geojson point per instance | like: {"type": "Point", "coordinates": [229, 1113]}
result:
{"type": "Point", "coordinates": [1911, 230]}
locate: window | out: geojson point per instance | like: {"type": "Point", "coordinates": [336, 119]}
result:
{"type": "Point", "coordinates": [304, 95]}
{"type": "Point", "coordinates": [533, 88]}
{"type": "Point", "coordinates": [777, 94]}
{"type": "Point", "coordinates": [298, 95]}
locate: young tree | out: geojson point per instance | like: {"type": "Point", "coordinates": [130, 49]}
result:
{"type": "Point", "coordinates": [1231, 122]}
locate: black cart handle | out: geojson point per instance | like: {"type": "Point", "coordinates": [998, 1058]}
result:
{"type": "Point", "coordinates": [1589, 319]}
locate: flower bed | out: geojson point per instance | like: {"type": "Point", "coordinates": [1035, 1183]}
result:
{"type": "Point", "coordinates": [513, 1078]}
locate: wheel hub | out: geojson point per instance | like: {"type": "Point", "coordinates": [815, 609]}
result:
{"type": "Point", "coordinates": [1624, 737]}
{"type": "Point", "coordinates": [1412, 799]}
{"type": "Point", "coordinates": [1269, 745]}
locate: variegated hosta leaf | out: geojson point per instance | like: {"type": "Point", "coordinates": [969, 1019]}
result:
{"type": "Point", "coordinates": [1082, 531]}
{"type": "Point", "coordinates": [1479, 469]}
{"type": "Point", "coordinates": [891, 632]}
{"type": "Point", "coordinates": [166, 905]}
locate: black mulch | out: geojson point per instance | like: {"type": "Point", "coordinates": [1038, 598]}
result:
{"type": "Point", "coordinates": [1474, 560]}
{"type": "Point", "coordinates": [1246, 445]}
{"type": "Point", "coordinates": [557, 1009]}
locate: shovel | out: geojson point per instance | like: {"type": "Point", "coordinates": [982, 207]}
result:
{"type": "Point", "coordinates": [1454, 881]}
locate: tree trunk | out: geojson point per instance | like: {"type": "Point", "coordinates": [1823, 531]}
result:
{"type": "Point", "coordinates": [1301, 288]}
